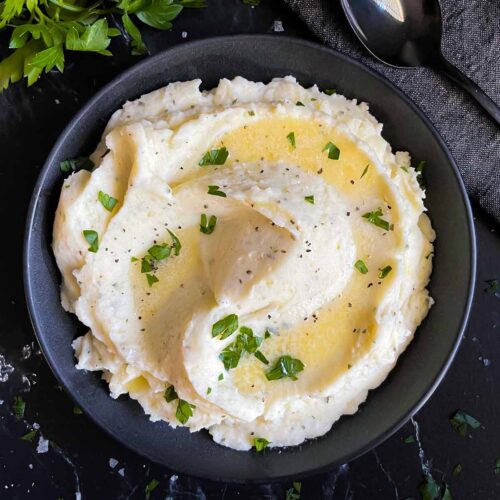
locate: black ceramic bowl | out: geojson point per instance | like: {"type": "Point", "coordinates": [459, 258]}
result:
{"type": "Point", "coordinates": [419, 369]}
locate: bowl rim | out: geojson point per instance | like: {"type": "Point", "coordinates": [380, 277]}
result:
{"type": "Point", "coordinates": [151, 61]}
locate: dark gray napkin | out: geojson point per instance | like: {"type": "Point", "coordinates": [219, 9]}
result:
{"type": "Point", "coordinates": [471, 41]}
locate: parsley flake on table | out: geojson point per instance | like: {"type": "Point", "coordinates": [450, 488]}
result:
{"type": "Point", "coordinates": [310, 199]}
{"type": "Point", "coordinates": [409, 439]}
{"type": "Point", "coordinates": [225, 326]}
{"type": "Point", "coordinates": [92, 239]}
{"type": "Point", "coordinates": [29, 436]}
{"type": "Point", "coordinates": [216, 191]}
{"type": "Point", "coordinates": [107, 201]}
{"type": "Point", "coordinates": [150, 487]}
{"type": "Point", "coordinates": [286, 366]}
{"type": "Point", "coordinates": [496, 469]}
{"type": "Point", "coordinates": [260, 444]}
{"type": "Point", "coordinates": [291, 139]}
{"type": "Point", "coordinates": [214, 157]}
{"type": "Point", "coordinates": [493, 287]}
{"type": "Point", "coordinates": [375, 218]}
{"type": "Point", "coordinates": [333, 151]}
{"type": "Point", "coordinates": [293, 493]}
{"type": "Point", "coordinates": [429, 489]}
{"type": "Point", "coordinates": [77, 410]}
{"type": "Point", "coordinates": [457, 470]}
{"type": "Point", "coordinates": [361, 266]}
{"type": "Point", "coordinates": [75, 164]}
{"type": "Point", "coordinates": [461, 421]}
{"type": "Point", "coordinates": [207, 226]}
{"type": "Point", "coordinates": [18, 407]}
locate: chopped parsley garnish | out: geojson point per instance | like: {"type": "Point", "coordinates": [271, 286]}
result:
{"type": "Point", "coordinates": [225, 326]}
{"type": "Point", "coordinates": [365, 170]}
{"type": "Point", "coordinates": [220, 377]}
{"type": "Point", "coordinates": [457, 469]}
{"type": "Point", "coordinates": [420, 174]}
{"type": "Point", "coordinates": [496, 469]}
{"type": "Point", "coordinates": [333, 151]}
{"type": "Point", "coordinates": [216, 191]}
{"type": "Point", "coordinates": [159, 252]}
{"type": "Point", "coordinates": [76, 164]}
{"type": "Point", "coordinates": [293, 493]}
{"type": "Point", "coordinates": [184, 411]}
{"type": "Point", "coordinates": [376, 219]}
{"type": "Point", "coordinates": [29, 436]}
{"type": "Point", "coordinates": [409, 439]}
{"type": "Point", "coordinates": [209, 390]}
{"type": "Point", "coordinates": [384, 271]}
{"type": "Point", "coordinates": [146, 266]}
{"type": "Point", "coordinates": [261, 357]}
{"type": "Point", "coordinates": [246, 341]}
{"type": "Point", "coordinates": [18, 407]}
{"type": "Point", "coordinates": [133, 259]}
{"type": "Point", "coordinates": [214, 157]}
{"type": "Point", "coordinates": [286, 366]}
{"type": "Point", "coordinates": [176, 244]}
{"type": "Point", "coordinates": [150, 487]}
{"type": "Point", "coordinates": [404, 168]}
{"type": "Point", "coordinates": [361, 266]}
{"type": "Point", "coordinates": [207, 226]}
{"type": "Point", "coordinates": [291, 139]}
{"type": "Point", "coordinates": [251, 112]}
{"type": "Point", "coordinates": [92, 239]}
{"type": "Point", "coordinates": [107, 201]}
{"type": "Point", "coordinates": [152, 279]}
{"type": "Point", "coordinates": [310, 199]}
{"type": "Point", "coordinates": [429, 489]}
{"type": "Point", "coordinates": [446, 493]}
{"type": "Point", "coordinates": [260, 443]}
{"type": "Point", "coordinates": [461, 421]}
{"type": "Point", "coordinates": [330, 91]}
{"type": "Point", "coordinates": [267, 334]}
{"type": "Point", "coordinates": [298, 103]}
{"type": "Point", "coordinates": [170, 394]}
{"type": "Point", "coordinates": [493, 287]}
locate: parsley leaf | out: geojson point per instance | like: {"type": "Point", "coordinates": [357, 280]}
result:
{"type": "Point", "coordinates": [150, 487]}
{"type": "Point", "coordinates": [261, 357]}
{"type": "Point", "coordinates": [260, 444]}
{"type": "Point", "coordinates": [176, 244]}
{"type": "Point", "coordinates": [376, 219]}
{"type": "Point", "coordinates": [207, 226]}
{"type": "Point", "coordinates": [94, 38]}
{"type": "Point", "coordinates": [159, 14]}
{"type": "Point", "coordinates": [333, 151]}
{"type": "Point", "coordinates": [29, 436]}
{"type": "Point", "coordinates": [457, 469]}
{"type": "Point", "coordinates": [310, 199]}
{"type": "Point", "coordinates": [92, 239]}
{"type": "Point", "coordinates": [409, 439]}
{"type": "Point", "coordinates": [493, 287]}
{"type": "Point", "coordinates": [18, 407]}
{"type": "Point", "coordinates": [383, 272]}
{"type": "Point", "coordinates": [76, 164]}
{"type": "Point", "coordinates": [184, 411]}
{"type": "Point", "coordinates": [170, 394]}
{"type": "Point", "coordinates": [107, 201]}
{"type": "Point", "coordinates": [214, 157]}
{"type": "Point", "coordinates": [429, 489]}
{"type": "Point", "coordinates": [152, 279]}
{"type": "Point", "coordinates": [330, 91]}
{"type": "Point", "coordinates": [461, 421]}
{"type": "Point", "coordinates": [216, 192]}
{"type": "Point", "coordinates": [496, 469]}
{"type": "Point", "coordinates": [420, 174]}
{"type": "Point", "coordinates": [159, 252]}
{"type": "Point", "coordinates": [225, 326]}
{"type": "Point", "coordinates": [361, 266]}
{"type": "Point", "coordinates": [293, 493]}
{"type": "Point", "coordinates": [299, 103]}
{"type": "Point", "coordinates": [136, 43]}
{"type": "Point", "coordinates": [291, 139]}
{"type": "Point", "coordinates": [286, 366]}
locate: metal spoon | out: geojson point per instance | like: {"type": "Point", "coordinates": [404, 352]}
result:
{"type": "Point", "coordinates": [407, 33]}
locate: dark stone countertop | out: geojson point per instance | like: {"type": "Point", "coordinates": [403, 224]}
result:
{"type": "Point", "coordinates": [71, 457]}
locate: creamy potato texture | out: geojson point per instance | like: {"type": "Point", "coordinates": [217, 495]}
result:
{"type": "Point", "coordinates": [250, 260]}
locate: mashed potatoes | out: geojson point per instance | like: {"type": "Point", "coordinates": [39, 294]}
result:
{"type": "Point", "coordinates": [250, 260]}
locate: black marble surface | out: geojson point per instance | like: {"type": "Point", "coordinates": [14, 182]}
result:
{"type": "Point", "coordinates": [72, 458]}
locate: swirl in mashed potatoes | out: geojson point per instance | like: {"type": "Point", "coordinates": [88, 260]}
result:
{"type": "Point", "coordinates": [249, 260]}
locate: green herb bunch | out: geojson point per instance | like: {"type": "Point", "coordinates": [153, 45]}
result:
{"type": "Point", "coordinates": [43, 30]}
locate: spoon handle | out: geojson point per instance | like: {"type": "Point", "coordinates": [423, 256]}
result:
{"type": "Point", "coordinates": [472, 88]}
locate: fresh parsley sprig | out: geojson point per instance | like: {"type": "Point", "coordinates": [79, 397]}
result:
{"type": "Point", "coordinates": [42, 31]}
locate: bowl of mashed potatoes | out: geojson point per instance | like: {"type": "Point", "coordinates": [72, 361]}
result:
{"type": "Point", "coordinates": [248, 258]}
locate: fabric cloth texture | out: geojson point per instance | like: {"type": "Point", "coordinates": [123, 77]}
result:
{"type": "Point", "coordinates": [471, 41]}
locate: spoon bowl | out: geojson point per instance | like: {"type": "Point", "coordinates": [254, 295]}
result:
{"type": "Point", "coordinates": [407, 33]}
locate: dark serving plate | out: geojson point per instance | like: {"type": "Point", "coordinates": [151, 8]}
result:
{"type": "Point", "coordinates": [420, 368]}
